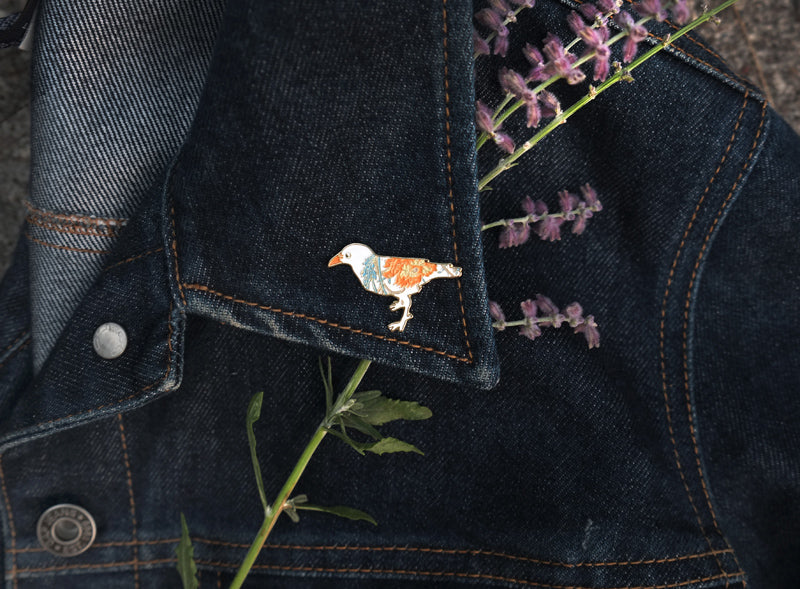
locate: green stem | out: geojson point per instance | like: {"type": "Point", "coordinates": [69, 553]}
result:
{"type": "Point", "coordinates": [280, 502]}
{"type": "Point", "coordinates": [507, 162]}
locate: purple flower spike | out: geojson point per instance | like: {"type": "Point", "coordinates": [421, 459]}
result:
{"type": "Point", "coordinates": [602, 58]}
{"type": "Point", "coordinates": [531, 331]}
{"type": "Point", "coordinates": [589, 330]}
{"type": "Point", "coordinates": [503, 9]}
{"type": "Point", "coordinates": [680, 12]}
{"type": "Point", "coordinates": [483, 118]}
{"type": "Point", "coordinates": [568, 202]}
{"type": "Point", "coordinates": [549, 104]}
{"type": "Point", "coordinates": [497, 314]}
{"type": "Point", "coordinates": [490, 19]}
{"type": "Point", "coordinates": [636, 34]}
{"type": "Point", "coordinates": [501, 44]}
{"type": "Point", "coordinates": [590, 196]}
{"type": "Point", "coordinates": [504, 142]}
{"type": "Point", "coordinates": [546, 306]}
{"type": "Point", "coordinates": [525, 3]}
{"type": "Point", "coordinates": [575, 22]}
{"type": "Point", "coordinates": [574, 314]}
{"type": "Point", "coordinates": [651, 8]}
{"type": "Point", "coordinates": [529, 309]}
{"type": "Point", "coordinates": [608, 6]}
{"type": "Point", "coordinates": [579, 226]}
{"type": "Point", "coordinates": [530, 207]}
{"type": "Point", "coordinates": [590, 12]}
{"type": "Point", "coordinates": [549, 228]}
{"type": "Point", "coordinates": [481, 47]}
{"type": "Point", "coordinates": [514, 234]}
{"type": "Point", "coordinates": [534, 112]}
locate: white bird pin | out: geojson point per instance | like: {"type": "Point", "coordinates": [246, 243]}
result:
{"type": "Point", "coordinates": [392, 276]}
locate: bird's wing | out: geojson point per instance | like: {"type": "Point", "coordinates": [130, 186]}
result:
{"type": "Point", "coordinates": [403, 273]}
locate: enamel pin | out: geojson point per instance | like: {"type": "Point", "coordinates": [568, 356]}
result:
{"type": "Point", "coordinates": [393, 277]}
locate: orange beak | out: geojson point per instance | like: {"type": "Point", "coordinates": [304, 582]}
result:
{"type": "Point", "coordinates": [335, 260]}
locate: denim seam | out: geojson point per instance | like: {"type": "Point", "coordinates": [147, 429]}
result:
{"type": "Point", "coordinates": [15, 352]}
{"type": "Point", "coordinates": [174, 246]}
{"type": "Point", "coordinates": [131, 501]}
{"type": "Point", "coordinates": [76, 218]}
{"type": "Point", "coordinates": [129, 397]}
{"type": "Point", "coordinates": [134, 258]}
{"type": "Point", "coordinates": [687, 306]}
{"type": "Point", "coordinates": [373, 571]}
{"type": "Point", "coordinates": [79, 250]}
{"type": "Point", "coordinates": [219, 579]}
{"type": "Point", "coordinates": [450, 189]}
{"type": "Point", "coordinates": [75, 228]}
{"type": "Point", "coordinates": [210, 291]}
{"type": "Point", "coordinates": [8, 352]}
{"type": "Point", "coordinates": [413, 549]}
{"type": "Point", "coordinates": [662, 353]}
{"type": "Point", "coordinates": [11, 527]}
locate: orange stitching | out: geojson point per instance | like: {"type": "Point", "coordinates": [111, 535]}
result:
{"type": "Point", "coordinates": [92, 220]}
{"type": "Point", "coordinates": [662, 344]}
{"type": "Point", "coordinates": [132, 258]}
{"type": "Point", "coordinates": [203, 288]}
{"type": "Point", "coordinates": [14, 343]}
{"type": "Point", "coordinates": [339, 570]}
{"type": "Point", "coordinates": [15, 352]}
{"type": "Point", "coordinates": [219, 579]}
{"type": "Point", "coordinates": [129, 397]}
{"type": "Point", "coordinates": [131, 500]}
{"type": "Point", "coordinates": [410, 549]}
{"type": "Point", "coordinates": [76, 229]}
{"type": "Point", "coordinates": [687, 305]}
{"type": "Point", "coordinates": [64, 247]}
{"type": "Point", "coordinates": [11, 527]}
{"type": "Point", "coordinates": [450, 192]}
{"type": "Point", "coordinates": [175, 255]}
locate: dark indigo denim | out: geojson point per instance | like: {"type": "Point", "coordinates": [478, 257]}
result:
{"type": "Point", "coordinates": [665, 458]}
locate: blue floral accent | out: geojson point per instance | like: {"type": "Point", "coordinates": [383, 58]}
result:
{"type": "Point", "coordinates": [371, 276]}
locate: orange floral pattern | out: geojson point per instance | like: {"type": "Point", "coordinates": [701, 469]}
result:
{"type": "Point", "coordinates": [406, 272]}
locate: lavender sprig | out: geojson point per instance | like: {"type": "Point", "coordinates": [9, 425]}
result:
{"type": "Point", "coordinates": [497, 18]}
{"type": "Point", "coordinates": [621, 73]}
{"type": "Point", "coordinates": [542, 312]}
{"type": "Point", "coordinates": [547, 225]}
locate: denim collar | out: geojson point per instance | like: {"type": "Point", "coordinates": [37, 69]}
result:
{"type": "Point", "coordinates": [282, 168]}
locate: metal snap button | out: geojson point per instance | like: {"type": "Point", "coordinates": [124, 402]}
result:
{"type": "Point", "coordinates": [110, 341]}
{"type": "Point", "coordinates": [66, 530]}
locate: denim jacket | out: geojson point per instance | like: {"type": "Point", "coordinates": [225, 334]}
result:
{"type": "Point", "coordinates": [666, 458]}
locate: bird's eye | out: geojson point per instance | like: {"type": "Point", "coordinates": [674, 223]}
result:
{"type": "Point", "coordinates": [347, 255]}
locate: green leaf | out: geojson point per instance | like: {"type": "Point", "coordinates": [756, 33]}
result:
{"type": "Point", "coordinates": [357, 422]}
{"type": "Point", "coordinates": [347, 440]}
{"type": "Point", "coordinates": [378, 410]}
{"type": "Point", "coordinates": [327, 382]}
{"type": "Point", "coordinates": [187, 568]}
{"type": "Point", "coordinates": [341, 511]}
{"type": "Point", "coordinates": [253, 415]}
{"type": "Point", "coordinates": [389, 445]}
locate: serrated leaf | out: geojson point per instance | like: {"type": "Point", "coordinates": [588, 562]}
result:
{"type": "Point", "coordinates": [357, 422]}
{"type": "Point", "coordinates": [389, 445]}
{"type": "Point", "coordinates": [341, 511]}
{"type": "Point", "coordinates": [186, 566]}
{"type": "Point", "coordinates": [253, 415]}
{"type": "Point", "coordinates": [378, 410]}
{"type": "Point", "coordinates": [347, 440]}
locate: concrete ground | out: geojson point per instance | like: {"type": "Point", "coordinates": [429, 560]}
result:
{"type": "Point", "coordinates": [760, 39]}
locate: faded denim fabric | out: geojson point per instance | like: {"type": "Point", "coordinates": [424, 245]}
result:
{"type": "Point", "coordinates": [665, 458]}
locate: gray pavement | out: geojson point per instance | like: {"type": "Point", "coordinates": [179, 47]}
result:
{"type": "Point", "coordinates": [759, 38]}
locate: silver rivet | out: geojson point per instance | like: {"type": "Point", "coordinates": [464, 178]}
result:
{"type": "Point", "coordinates": [66, 530]}
{"type": "Point", "coordinates": [109, 341]}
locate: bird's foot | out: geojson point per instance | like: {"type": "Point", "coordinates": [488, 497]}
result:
{"type": "Point", "coordinates": [400, 325]}
{"type": "Point", "coordinates": [396, 305]}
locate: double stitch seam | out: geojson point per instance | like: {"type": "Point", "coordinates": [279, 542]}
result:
{"type": "Point", "coordinates": [662, 352]}
{"type": "Point", "coordinates": [307, 317]}
{"type": "Point", "coordinates": [450, 192]}
{"type": "Point", "coordinates": [687, 306]}
{"type": "Point", "coordinates": [131, 501]}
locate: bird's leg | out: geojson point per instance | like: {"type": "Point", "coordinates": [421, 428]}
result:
{"type": "Point", "coordinates": [404, 302]}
